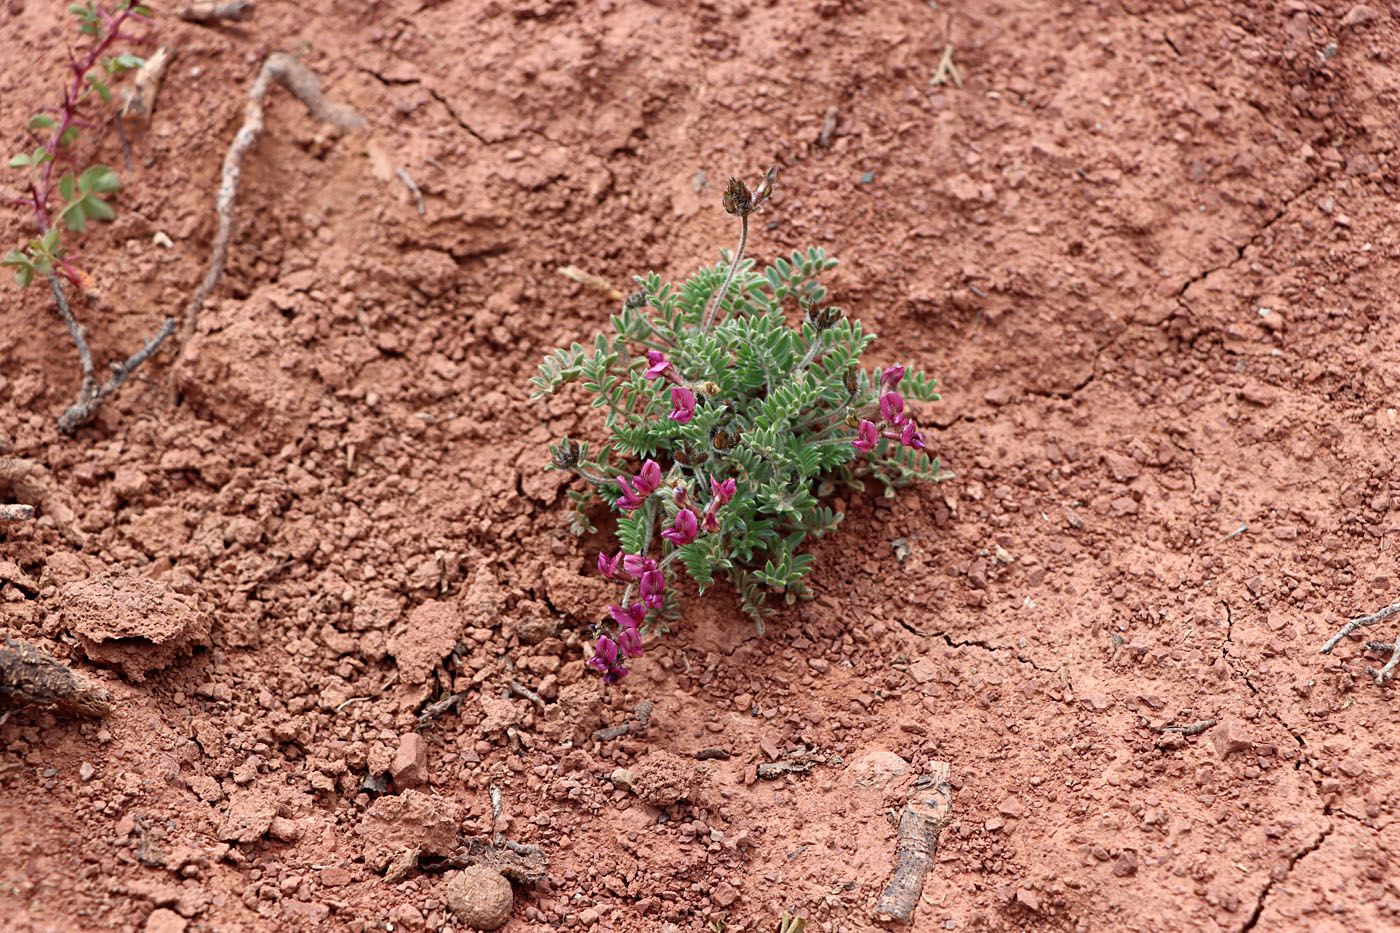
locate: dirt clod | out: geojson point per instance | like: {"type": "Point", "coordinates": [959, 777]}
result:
{"type": "Point", "coordinates": [1229, 736]}
{"type": "Point", "coordinates": [132, 623]}
{"type": "Point", "coordinates": [410, 765]}
{"type": "Point", "coordinates": [480, 897]}
{"type": "Point", "coordinates": [662, 778]}
{"type": "Point", "coordinates": [408, 825]}
{"type": "Point", "coordinates": [426, 637]}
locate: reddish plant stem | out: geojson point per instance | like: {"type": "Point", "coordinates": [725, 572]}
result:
{"type": "Point", "coordinates": [41, 192]}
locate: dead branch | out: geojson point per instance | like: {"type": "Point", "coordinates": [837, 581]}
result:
{"type": "Point", "coordinates": [1360, 622]}
{"type": "Point", "coordinates": [1192, 729]}
{"type": "Point", "coordinates": [28, 675]}
{"type": "Point", "coordinates": [306, 87]}
{"type": "Point", "coordinates": [946, 70]}
{"type": "Point", "coordinates": [523, 864]}
{"type": "Point", "coordinates": [924, 814]}
{"type": "Point", "coordinates": [90, 397]}
{"type": "Point", "coordinates": [828, 127]}
{"type": "Point", "coordinates": [1389, 669]}
{"type": "Point", "coordinates": [213, 11]}
{"type": "Point", "coordinates": [413, 189]}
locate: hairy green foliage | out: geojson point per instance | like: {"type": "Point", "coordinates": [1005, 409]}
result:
{"type": "Point", "coordinates": [776, 393]}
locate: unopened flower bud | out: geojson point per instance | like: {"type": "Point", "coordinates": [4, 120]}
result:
{"type": "Point", "coordinates": [635, 300]}
{"type": "Point", "coordinates": [824, 318]}
{"type": "Point", "coordinates": [852, 421]}
{"type": "Point", "coordinates": [565, 454]}
{"type": "Point", "coordinates": [723, 440]}
{"type": "Point", "coordinates": [849, 381]}
{"type": "Point", "coordinates": [736, 199]}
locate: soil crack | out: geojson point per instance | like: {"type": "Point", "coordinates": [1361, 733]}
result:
{"type": "Point", "coordinates": [1292, 861]}
{"type": "Point", "coordinates": [973, 643]}
{"type": "Point", "coordinates": [400, 82]}
{"type": "Point", "coordinates": [1254, 238]}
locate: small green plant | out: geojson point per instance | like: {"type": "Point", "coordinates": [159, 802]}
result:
{"type": "Point", "coordinates": [53, 132]}
{"type": "Point", "coordinates": [743, 420]}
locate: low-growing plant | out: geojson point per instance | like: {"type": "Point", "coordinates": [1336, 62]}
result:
{"type": "Point", "coordinates": [53, 132]}
{"type": "Point", "coordinates": [741, 394]}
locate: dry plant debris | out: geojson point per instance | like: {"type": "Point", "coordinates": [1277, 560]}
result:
{"type": "Point", "coordinates": [1379, 615]}
{"type": "Point", "coordinates": [29, 675]}
{"type": "Point", "coordinates": [214, 11]}
{"type": "Point", "coordinates": [920, 823]}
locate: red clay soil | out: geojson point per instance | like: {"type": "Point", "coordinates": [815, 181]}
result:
{"type": "Point", "coordinates": [1150, 250]}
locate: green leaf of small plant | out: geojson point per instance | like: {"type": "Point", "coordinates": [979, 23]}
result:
{"type": "Point", "coordinates": [101, 88]}
{"type": "Point", "coordinates": [48, 243]}
{"type": "Point", "coordinates": [40, 121]}
{"type": "Point", "coordinates": [127, 61]}
{"type": "Point", "coordinates": [74, 217]}
{"type": "Point", "coordinates": [96, 208]}
{"type": "Point", "coordinates": [99, 178]}
{"type": "Point", "coordinates": [65, 186]}
{"type": "Point", "coordinates": [19, 161]}
{"type": "Point", "coordinates": [70, 134]}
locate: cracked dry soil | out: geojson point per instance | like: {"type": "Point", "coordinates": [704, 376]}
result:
{"type": "Point", "coordinates": [1149, 249]}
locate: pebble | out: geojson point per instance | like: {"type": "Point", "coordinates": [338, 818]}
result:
{"type": "Point", "coordinates": [1230, 737]}
{"type": "Point", "coordinates": [480, 897]}
{"type": "Point", "coordinates": [410, 765]}
{"type": "Point", "coordinates": [165, 921]}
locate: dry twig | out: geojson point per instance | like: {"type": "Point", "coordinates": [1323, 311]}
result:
{"type": "Point", "coordinates": [946, 70]}
{"type": "Point", "coordinates": [306, 87]}
{"type": "Point", "coordinates": [213, 11]}
{"type": "Point", "coordinates": [413, 189]}
{"type": "Point", "coordinates": [920, 823]}
{"type": "Point", "coordinates": [1361, 622]}
{"type": "Point", "coordinates": [591, 280]}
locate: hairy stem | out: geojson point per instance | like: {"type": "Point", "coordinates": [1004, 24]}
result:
{"type": "Point", "coordinates": [713, 310]}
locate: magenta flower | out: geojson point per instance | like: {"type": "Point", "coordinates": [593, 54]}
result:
{"type": "Point", "coordinates": [658, 366]}
{"type": "Point", "coordinates": [604, 654]}
{"type": "Point", "coordinates": [645, 483]}
{"type": "Point", "coordinates": [631, 499]}
{"type": "Point", "coordinates": [649, 478]}
{"type": "Point", "coordinates": [653, 588]}
{"type": "Point", "coordinates": [866, 436]}
{"type": "Point", "coordinates": [708, 521]}
{"type": "Point", "coordinates": [608, 568]}
{"type": "Point", "coordinates": [684, 530]}
{"type": "Point", "coordinates": [724, 491]}
{"type": "Point", "coordinates": [890, 377]}
{"type": "Point", "coordinates": [682, 404]}
{"type": "Point", "coordinates": [892, 408]}
{"type": "Point", "coordinates": [912, 437]}
{"type": "Point", "coordinates": [636, 565]}
{"type": "Point", "coordinates": [630, 641]}
{"type": "Point", "coordinates": [631, 617]}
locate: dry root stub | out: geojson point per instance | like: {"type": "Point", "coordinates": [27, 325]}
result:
{"type": "Point", "coordinates": [28, 675]}
{"type": "Point", "coordinates": [919, 825]}
{"type": "Point", "coordinates": [1380, 615]}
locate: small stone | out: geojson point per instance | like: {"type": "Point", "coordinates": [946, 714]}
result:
{"type": "Point", "coordinates": [1230, 737]}
{"type": "Point", "coordinates": [1012, 808]}
{"type": "Point", "coordinates": [410, 765]}
{"type": "Point", "coordinates": [724, 894]}
{"type": "Point", "coordinates": [1126, 864]}
{"type": "Point", "coordinates": [336, 876]}
{"type": "Point", "coordinates": [165, 921]}
{"type": "Point", "coordinates": [923, 670]}
{"type": "Point", "coordinates": [480, 897]}
{"type": "Point", "coordinates": [621, 778]}
{"type": "Point", "coordinates": [249, 815]}
{"type": "Point", "coordinates": [994, 825]}
{"type": "Point", "coordinates": [998, 396]}
{"type": "Point", "coordinates": [1352, 768]}
{"type": "Point", "coordinates": [1028, 899]}
{"type": "Point", "coordinates": [1358, 15]}
{"type": "Point", "coordinates": [86, 771]}
{"type": "Point", "coordinates": [284, 830]}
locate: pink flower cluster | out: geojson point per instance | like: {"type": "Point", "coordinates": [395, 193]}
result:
{"type": "Point", "coordinates": [894, 424]}
{"type": "Point", "coordinates": [651, 582]}
{"type": "Point", "coordinates": [643, 484]}
{"type": "Point", "coordinates": [682, 398]}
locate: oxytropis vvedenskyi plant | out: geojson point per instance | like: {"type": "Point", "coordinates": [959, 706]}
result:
{"type": "Point", "coordinates": [728, 427]}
